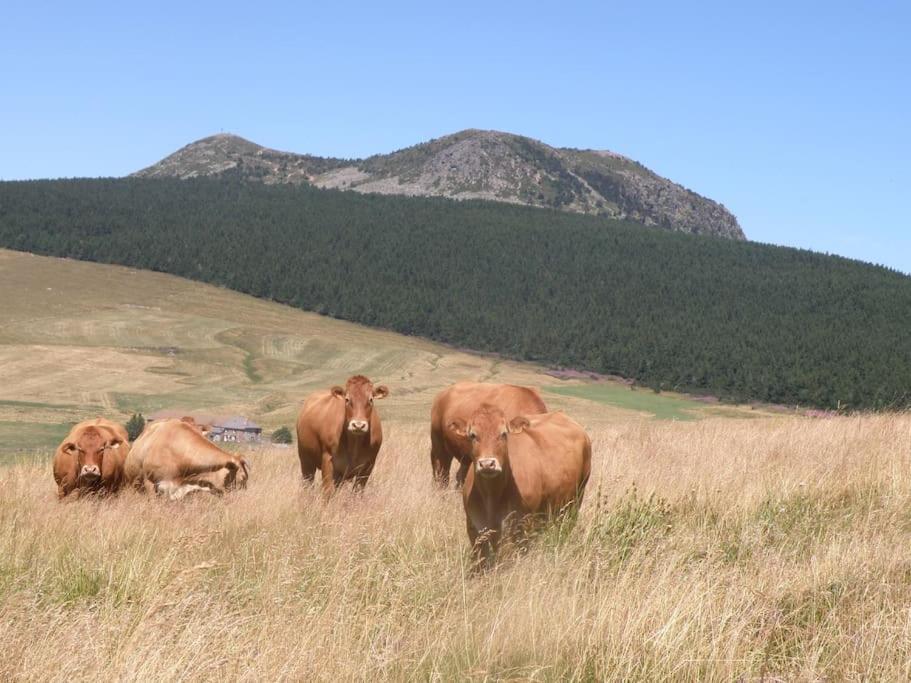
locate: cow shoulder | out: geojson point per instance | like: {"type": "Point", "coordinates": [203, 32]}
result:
{"type": "Point", "coordinates": [526, 468]}
{"type": "Point", "coordinates": [324, 416]}
{"type": "Point", "coordinates": [64, 467]}
{"type": "Point", "coordinates": [439, 407]}
{"type": "Point", "coordinates": [376, 429]}
{"type": "Point", "coordinates": [565, 454]}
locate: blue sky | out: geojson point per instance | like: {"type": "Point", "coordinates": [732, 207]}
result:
{"type": "Point", "coordinates": [796, 116]}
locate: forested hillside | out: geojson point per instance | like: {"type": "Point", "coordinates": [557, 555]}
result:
{"type": "Point", "coordinates": [674, 311]}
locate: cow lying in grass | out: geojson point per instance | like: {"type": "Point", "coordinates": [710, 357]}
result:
{"type": "Point", "coordinates": [523, 470]}
{"type": "Point", "coordinates": [90, 459]}
{"type": "Point", "coordinates": [173, 458]}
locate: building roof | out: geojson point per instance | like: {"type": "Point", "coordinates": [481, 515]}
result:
{"type": "Point", "coordinates": [236, 422]}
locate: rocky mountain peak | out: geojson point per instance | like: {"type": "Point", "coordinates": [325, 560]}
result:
{"type": "Point", "coordinates": [473, 164]}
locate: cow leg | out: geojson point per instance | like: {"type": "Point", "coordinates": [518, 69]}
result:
{"type": "Point", "coordinates": [440, 461]}
{"type": "Point", "coordinates": [200, 465]}
{"type": "Point", "coordinates": [329, 476]}
{"type": "Point", "coordinates": [310, 461]}
{"type": "Point", "coordinates": [360, 479]}
{"type": "Point", "coordinates": [176, 491]}
{"type": "Point", "coordinates": [190, 488]}
{"type": "Point", "coordinates": [464, 464]}
{"type": "Point", "coordinates": [483, 547]}
{"type": "Point", "coordinates": [308, 470]}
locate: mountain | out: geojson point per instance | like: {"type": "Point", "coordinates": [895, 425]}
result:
{"type": "Point", "coordinates": [473, 164]}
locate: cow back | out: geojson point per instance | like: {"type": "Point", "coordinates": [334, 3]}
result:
{"type": "Point", "coordinates": [550, 462]}
{"type": "Point", "coordinates": [459, 401]}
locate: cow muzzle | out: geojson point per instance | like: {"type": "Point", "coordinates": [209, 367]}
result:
{"type": "Point", "coordinates": [90, 473]}
{"type": "Point", "coordinates": [489, 467]}
{"type": "Point", "coordinates": [358, 426]}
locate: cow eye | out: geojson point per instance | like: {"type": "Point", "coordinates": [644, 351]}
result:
{"type": "Point", "coordinates": [502, 435]}
{"type": "Point", "coordinates": [473, 436]}
{"type": "Point", "coordinates": [347, 401]}
{"type": "Point", "coordinates": [370, 400]}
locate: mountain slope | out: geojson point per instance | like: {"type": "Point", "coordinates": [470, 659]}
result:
{"type": "Point", "coordinates": [473, 164]}
{"type": "Point", "coordinates": [734, 319]}
{"type": "Point", "coordinates": [113, 341]}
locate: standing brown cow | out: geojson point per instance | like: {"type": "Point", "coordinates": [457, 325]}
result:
{"type": "Point", "coordinates": [339, 433]}
{"type": "Point", "coordinates": [173, 458]}
{"type": "Point", "coordinates": [459, 402]}
{"type": "Point", "coordinates": [536, 465]}
{"type": "Point", "coordinates": [91, 457]}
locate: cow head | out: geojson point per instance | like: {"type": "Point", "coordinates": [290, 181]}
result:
{"type": "Point", "coordinates": [237, 478]}
{"type": "Point", "coordinates": [487, 432]}
{"type": "Point", "coordinates": [89, 450]}
{"type": "Point", "coordinates": [359, 395]}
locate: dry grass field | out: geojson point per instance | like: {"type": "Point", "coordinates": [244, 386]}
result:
{"type": "Point", "coordinates": [737, 545]}
{"type": "Point", "coordinates": [710, 550]}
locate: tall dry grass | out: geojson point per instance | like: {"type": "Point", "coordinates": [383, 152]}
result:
{"type": "Point", "coordinates": [717, 550]}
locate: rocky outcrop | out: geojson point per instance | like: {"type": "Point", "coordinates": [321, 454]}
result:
{"type": "Point", "coordinates": [474, 164]}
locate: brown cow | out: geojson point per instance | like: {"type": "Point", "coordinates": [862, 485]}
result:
{"type": "Point", "coordinates": [459, 402]}
{"type": "Point", "coordinates": [91, 457]}
{"type": "Point", "coordinates": [339, 433]}
{"type": "Point", "coordinates": [523, 469]}
{"type": "Point", "coordinates": [173, 458]}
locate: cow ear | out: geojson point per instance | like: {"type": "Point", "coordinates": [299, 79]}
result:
{"type": "Point", "coordinates": [518, 424]}
{"type": "Point", "coordinates": [458, 426]}
{"type": "Point", "coordinates": [338, 391]}
{"type": "Point", "coordinates": [382, 391]}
